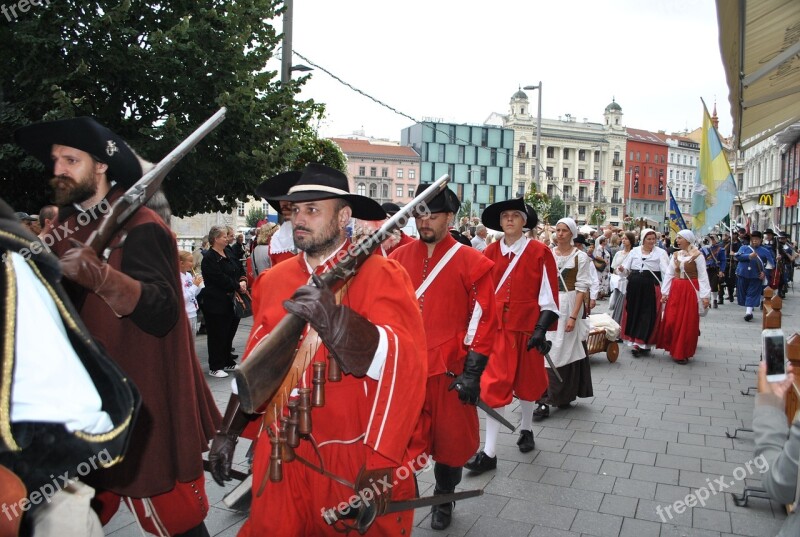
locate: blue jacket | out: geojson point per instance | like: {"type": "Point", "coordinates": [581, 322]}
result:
{"type": "Point", "coordinates": [749, 268]}
{"type": "Point", "coordinates": [718, 261]}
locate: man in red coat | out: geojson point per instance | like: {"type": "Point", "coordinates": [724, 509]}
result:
{"type": "Point", "coordinates": [133, 305]}
{"type": "Point", "coordinates": [525, 280]}
{"type": "Point", "coordinates": [454, 288]}
{"type": "Point", "coordinates": [362, 433]}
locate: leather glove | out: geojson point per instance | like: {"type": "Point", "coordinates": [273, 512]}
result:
{"type": "Point", "coordinates": [468, 383]}
{"type": "Point", "coordinates": [81, 265]}
{"type": "Point", "coordinates": [350, 338]}
{"type": "Point", "coordinates": [366, 483]}
{"type": "Point", "coordinates": [223, 445]}
{"type": "Point", "coordinates": [537, 340]}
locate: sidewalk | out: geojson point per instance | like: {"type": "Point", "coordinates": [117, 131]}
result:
{"type": "Point", "coordinates": [653, 433]}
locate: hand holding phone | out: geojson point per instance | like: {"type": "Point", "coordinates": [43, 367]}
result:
{"type": "Point", "coordinates": [773, 346]}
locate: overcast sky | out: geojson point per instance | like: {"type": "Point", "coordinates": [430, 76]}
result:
{"type": "Point", "coordinates": [462, 60]}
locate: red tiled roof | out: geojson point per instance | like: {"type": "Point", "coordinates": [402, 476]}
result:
{"type": "Point", "coordinates": [349, 146]}
{"type": "Point", "coordinates": [638, 135]}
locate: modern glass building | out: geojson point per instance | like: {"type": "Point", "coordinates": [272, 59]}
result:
{"type": "Point", "coordinates": [478, 158]}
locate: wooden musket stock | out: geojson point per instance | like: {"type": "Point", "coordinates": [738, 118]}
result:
{"type": "Point", "coordinates": [273, 367]}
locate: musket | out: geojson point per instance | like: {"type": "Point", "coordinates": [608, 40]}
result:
{"type": "Point", "coordinates": [141, 191]}
{"type": "Point", "coordinates": [272, 368]}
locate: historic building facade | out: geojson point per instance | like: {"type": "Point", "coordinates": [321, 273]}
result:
{"type": "Point", "coordinates": [384, 171]}
{"type": "Point", "coordinates": [581, 162]}
{"type": "Point", "coordinates": [645, 177]}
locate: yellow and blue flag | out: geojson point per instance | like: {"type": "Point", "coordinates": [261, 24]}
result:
{"type": "Point", "coordinates": [714, 188]}
{"type": "Point", "coordinates": [676, 222]}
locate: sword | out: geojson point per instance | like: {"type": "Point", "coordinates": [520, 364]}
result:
{"type": "Point", "coordinates": [548, 345]}
{"type": "Point", "coordinates": [492, 413]}
{"type": "Point", "coordinates": [406, 505]}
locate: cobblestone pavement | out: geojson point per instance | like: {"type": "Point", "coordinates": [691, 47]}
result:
{"type": "Point", "coordinates": [653, 433]}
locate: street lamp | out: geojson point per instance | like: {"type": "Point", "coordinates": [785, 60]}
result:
{"type": "Point", "coordinates": [538, 131]}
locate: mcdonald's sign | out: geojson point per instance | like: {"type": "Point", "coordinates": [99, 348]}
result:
{"type": "Point", "coordinates": [765, 199]}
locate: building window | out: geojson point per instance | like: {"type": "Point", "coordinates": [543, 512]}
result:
{"type": "Point", "coordinates": [615, 194]}
{"type": "Point", "coordinates": [399, 173]}
{"type": "Point", "coordinates": [614, 211]}
{"type": "Point", "coordinates": [616, 156]}
{"type": "Point", "coordinates": [493, 156]}
{"type": "Point", "coordinates": [597, 156]}
{"type": "Point", "coordinates": [670, 174]}
{"type": "Point", "coordinates": [240, 208]}
{"type": "Point", "coordinates": [522, 168]}
{"type": "Point", "coordinates": [373, 171]}
{"type": "Point", "coordinates": [410, 191]}
{"type": "Point", "coordinates": [533, 150]}
{"type": "Point", "coordinates": [362, 171]}
{"type": "Point", "coordinates": [684, 159]}
{"type": "Point", "coordinates": [637, 156]}
{"type": "Point", "coordinates": [649, 190]}
{"type": "Point", "coordinates": [373, 190]}
{"type": "Point", "coordinates": [551, 152]}
{"type": "Point", "coordinates": [566, 153]}
{"type": "Point", "coordinates": [398, 192]}
{"type": "Point", "coordinates": [582, 155]}
{"type": "Point", "coordinates": [580, 174]}
{"type": "Point", "coordinates": [691, 160]}
{"type": "Point", "coordinates": [265, 207]}
{"type": "Point", "coordinates": [549, 172]}
{"type": "Point", "coordinates": [384, 172]}
{"type": "Point", "coordinates": [581, 209]}
{"type": "Point", "coordinates": [565, 173]}
{"type": "Point", "coordinates": [521, 149]}
{"type": "Point", "coordinates": [647, 157]}
{"type": "Point", "coordinates": [616, 175]}
{"type": "Point", "coordinates": [596, 174]}
{"type": "Point", "coordinates": [630, 157]}
{"type": "Point", "coordinates": [411, 173]}
{"type": "Point", "coordinates": [384, 191]}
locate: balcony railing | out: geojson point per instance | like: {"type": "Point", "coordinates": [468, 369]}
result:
{"type": "Point", "coordinates": [569, 197]}
{"type": "Point", "coordinates": [616, 200]}
{"type": "Point", "coordinates": [523, 154]}
{"type": "Point", "coordinates": [617, 162]}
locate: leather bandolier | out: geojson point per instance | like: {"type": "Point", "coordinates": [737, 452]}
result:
{"type": "Point", "coordinates": [41, 453]}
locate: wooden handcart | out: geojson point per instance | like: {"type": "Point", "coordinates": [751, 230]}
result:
{"type": "Point", "coordinates": [598, 342]}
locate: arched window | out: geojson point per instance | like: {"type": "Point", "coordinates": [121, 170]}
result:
{"type": "Point", "coordinates": [384, 191]}
{"type": "Point", "coordinates": [373, 191]}
{"type": "Point", "coordinates": [361, 189]}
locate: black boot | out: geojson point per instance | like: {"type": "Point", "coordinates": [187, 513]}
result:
{"type": "Point", "coordinates": [197, 531]}
{"type": "Point", "coordinates": [447, 477]}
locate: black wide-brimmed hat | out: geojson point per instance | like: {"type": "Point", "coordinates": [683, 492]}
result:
{"type": "Point", "coordinates": [769, 231]}
{"type": "Point", "coordinates": [579, 239]}
{"type": "Point", "coordinates": [390, 208]}
{"type": "Point", "coordinates": [86, 134]}
{"type": "Point", "coordinates": [756, 233]}
{"type": "Point", "coordinates": [277, 185]}
{"type": "Point", "coordinates": [444, 202]}
{"type": "Point", "coordinates": [491, 215]}
{"type": "Point", "coordinates": [320, 182]}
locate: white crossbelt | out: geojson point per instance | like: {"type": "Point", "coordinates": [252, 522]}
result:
{"type": "Point", "coordinates": [437, 269]}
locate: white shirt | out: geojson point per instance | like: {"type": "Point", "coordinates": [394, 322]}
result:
{"type": "Point", "coordinates": [704, 290]}
{"type": "Point", "coordinates": [50, 383]}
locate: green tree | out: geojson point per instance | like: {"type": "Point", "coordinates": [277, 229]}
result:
{"type": "Point", "coordinates": [598, 216]}
{"type": "Point", "coordinates": [152, 71]}
{"type": "Point", "coordinates": [464, 210]}
{"type": "Point", "coordinates": [254, 216]}
{"type": "Point", "coordinates": [556, 210]}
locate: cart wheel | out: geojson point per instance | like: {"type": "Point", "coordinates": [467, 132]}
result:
{"type": "Point", "coordinates": [612, 351]}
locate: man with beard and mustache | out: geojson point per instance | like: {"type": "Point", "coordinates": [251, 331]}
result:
{"type": "Point", "coordinates": [456, 297]}
{"type": "Point", "coordinates": [369, 328]}
{"type": "Point", "coordinates": [133, 305]}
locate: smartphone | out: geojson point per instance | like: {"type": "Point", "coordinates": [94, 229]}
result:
{"type": "Point", "coordinates": [774, 352]}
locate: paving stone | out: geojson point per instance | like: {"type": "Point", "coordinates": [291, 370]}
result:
{"type": "Point", "coordinates": [599, 439]}
{"type": "Point", "coordinates": [556, 476]}
{"type": "Point", "coordinates": [691, 438]}
{"type": "Point", "coordinates": [547, 458]}
{"type": "Point", "coordinates": [640, 444]}
{"type": "Point", "coordinates": [702, 452]}
{"type": "Point", "coordinates": [710, 519]}
{"type": "Point", "coordinates": [492, 527]}
{"type": "Point", "coordinates": [640, 457]}
{"type": "Point", "coordinates": [656, 474]}
{"type": "Point", "coordinates": [671, 530]}
{"type": "Point", "coordinates": [598, 524]}
{"type": "Point", "coordinates": [604, 452]}
{"type": "Point", "coordinates": [573, 448]}
{"type": "Point", "coordinates": [649, 510]}
{"type": "Point", "coordinates": [616, 469]}
{"type": "Point", "coordinates": [597, 483]}
{"type": "Point", "coordinates": [545, 493]}
{"type": "Point", "coordinates": [639, 528]}
{"type": "Point", "coordinates": [619, 505]}
{"type": "Point", "coordinates": [755, 527]}
{"type": "Point", "coordinates": [679, 462]}
{"type": "Point", "coordinates": [635, 488]}
{"type": "Point", "coordinates": [582, 464]}
{"type": "Point", "coordinates": [542, 531]}
{"type": "Point", "coordinates": [551, 516]}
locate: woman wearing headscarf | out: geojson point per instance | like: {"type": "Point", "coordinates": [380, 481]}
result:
{"type": "Point", "coordinates": [644, 267]}
{"type": "Point", "coordinates": [618, 281]}
{"type": "Point", "coordinates": [685, 280]}
{"type": "Point", "coordinates": [567, 352]}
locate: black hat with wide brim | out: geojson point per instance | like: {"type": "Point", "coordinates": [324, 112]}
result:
{"type": "Point", "coordinates": [390, 208]}
{"type": "Point", "coordinates": [579, 239]}
{"type": "Point", "coordinates": [86, 134]}
{"type": "Point", "coordinates": [444, 202]}
{"type": "Point", "coordinates": [277, 185]}
{"type": "Point", "coordinates": [320, 182]}
{"type": "Point", "coordinates": [491, 215]}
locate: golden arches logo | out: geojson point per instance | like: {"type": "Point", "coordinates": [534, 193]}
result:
{"type": "Point", "coordinates": [765, 199]}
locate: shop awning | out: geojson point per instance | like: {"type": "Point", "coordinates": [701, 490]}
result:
{"type": "Point", "coordinates": [760, 45]}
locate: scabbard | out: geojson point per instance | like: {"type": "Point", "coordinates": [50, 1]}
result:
{"type": "Point", "coordinates": [492, 413]}
{"type": "Point", "coordinates": [427, 501]}
{"type": "Point", "coordinates": [546, 355]}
